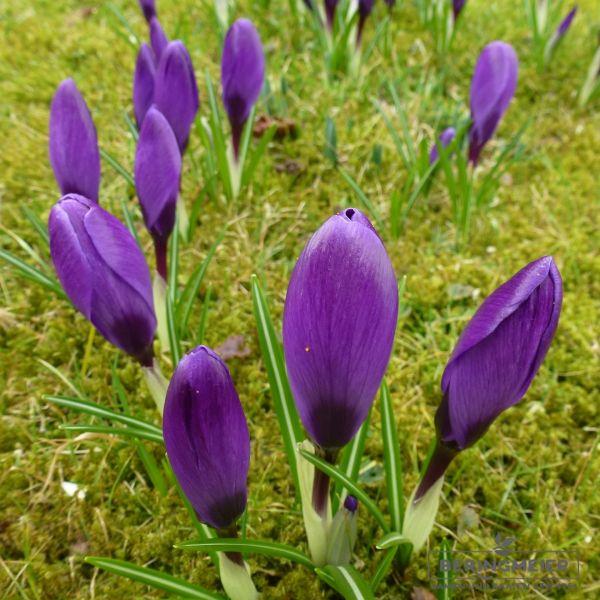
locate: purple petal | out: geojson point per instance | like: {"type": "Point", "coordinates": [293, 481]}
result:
{"type": "Point", "coordinates": [148, 8]}
{"type": "Point", "coordinates": [445, 138]}
{"type": "Point", "coordinates": [242, 72]}
{"type": "Point", "coordinates": [364, 10]}
{"type": "Point", "coordinates": [143, 83]}
{"type": "Point", "coordinates": [176, 92]}
{"type": "Point", "coordinates": [499, 352]}
{"type": "Point", "coordinates": [207, 438]}
{"type": "Point", "coordinates": [330, 7]}
{"type": "Point", "coordinates": [566, 22]}
{"type": "Point", "coordinates": [457, 6]}
{"type": "Point", "coordinates": [493, 86]}
{"type": "Point", "coordinates": [103, 271]}
{"type": "Point", "coordinates": [74, 153]}
{"type": "Point", "coordinates": [157, 174]}
{"type": "Point", "coordinates": [158, 38]}
{"type": "Point", "coordinates": [338, 326]}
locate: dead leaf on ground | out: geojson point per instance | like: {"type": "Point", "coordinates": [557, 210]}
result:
{"type": "Point", "coordinates": [285, 127]}
{"type": "Point", "coordinates": [419, 593]}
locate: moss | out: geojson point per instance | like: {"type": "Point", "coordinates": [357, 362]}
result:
{"type": "Point", "coordinates": [535, 472]}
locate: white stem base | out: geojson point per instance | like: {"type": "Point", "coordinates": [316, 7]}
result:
{"type": "Point", "coordinates": [236, 579]}
{"type": "Point", "coordinates": [157, 384]}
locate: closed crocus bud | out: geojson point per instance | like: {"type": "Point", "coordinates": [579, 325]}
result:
{"type": "Point", "coordinates": [158, 38]}
{"type": "Point", "coordinates": [496, 358]}
{"type": "Point", "coordinates": [364, 10]}
{"type": "Point", "coordinates": [338, 326]}
{"type": "Point", "coordinates": [74, 153]}
{"type": "Point", "coordinates": [445, 138]}
{"type": "Point", "coordinates": [143, 83]}
{"type": "Point", "coordinates": [342, 533]}
{"type": "Point", "coordinates": [457, 6]}
{"type": "Point", "coordinates": [558, 35]}
{"type": "Point", "coordinates": [492, 88]}
{"type": "Point", "coordinates": [176, 91]}
{"type": "Point", "coordinates": [157, 175]}
{"type": "Point", "coordinates": [242, 75]}
{"type": "Point", "coordinates": [330, 6]}
{"type": "Point", "coordinates": [103, 271]}
{"type": "Point", "coordinates": [566, 22]}
{"type": "Point", "coordinates": [206, 437]}
{"type": "Point", "coordinates": [148, 8]}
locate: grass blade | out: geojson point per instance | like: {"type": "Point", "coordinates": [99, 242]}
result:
{"type": "Point", "coordinates": [37, 224]}
{"type": "Point", "coordinates": [152, 577]}
{"type": "Point", "coordinates": [264, 547]}
{"type": "Point", "coordinates": [117, 166]}
{"type": "Point", "coordinates": [106, 429]}
{"type": "Point", "coordinates": [391, 459]}
{"type": "Point", "coordinates": [444, 578]}
{"type": "Point", "coordinates": [347, 581]}
{"type": "Point", "coordinates": [174, 344]}
{"type": "Point", "coordinates": [278, 382]}
{"type": "Point", "coordinates": [352, 488]}
{"type": "Point", "coordinates": [392, 540]}
{"type": "Point", "coordinates": [363, 198]}
{"type": "Point", "coordinates": [382, 568]}
{"type": "Point", "coordinates": [257, 155]}
{"type": "Point", "coordinates": [32, 273]}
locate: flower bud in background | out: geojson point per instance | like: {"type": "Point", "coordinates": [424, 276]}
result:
{"type": "Point", "coordinates": [445, 138]}
{"type": "Point", "coordinates": [176, 91]}
{"type": "Point", "coordinates": [73, 143]}
{"type": "Point", "coordinates": [338, 326]}
{"type": "Point", "coordinates": [492, 88]}
{"type": "Point", "coordinates": [457, 7]}
{"type": "Point", "coordinates": [365, 7]}
{"type": "Point", "coordinates": [242, 75]}
{"type": "Point", "coordinates": [207, 439]}
{"type": "Point", "coordinates": [558, 35]}
{"type": "Point", "coordinates": [496, 358]}
{"type": "Point", "coordinates": [104, 273]}
{"type": "Point", "coordinates": [148, 8]}
{"type": "Point", "coordinates": [143, 83]}
{"type": "Point", "coordinates": [157, 176]}
{"type": "Point", "coordinates": [390, 3]}
{"type": "Point", "coordinates": [342, 534]}
{"type": "Point", "coordinates": [330, 7]}
{"type": "Point", "coordinates": [158, 39]}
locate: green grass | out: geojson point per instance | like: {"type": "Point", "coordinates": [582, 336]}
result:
{"type": "Point", "coordinates": [533, 475]}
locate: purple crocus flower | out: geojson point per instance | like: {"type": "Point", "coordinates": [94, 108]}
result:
{"type": "Point", "coordinates": [143, 83]}
{"type": "Point", "coordinates": [338, 326]}
{"type": "Point", "coordinates": [495, 360]}
{"type": "Point", "coordinates": [566, 22]}
{"type": "Point", "coordinates": [73, 143]}
{"type": "Point", "coordinates": [457, 6]}
{"type": "Point", "coordinates": [445, 138]}
{"type": "Point", "coordinates": [493, 86]}
{"type": "Point", "coordinates": [157, 175]}
{"type": "Point", "coordinates": [104, 273]}
{"type": "Point", "coordinates": [365, 8]}
{"type": "Point", "coordinates": [148, 8]}
{"type": "Point", "coordinates": [176, 91]}
{"type": "Point", "coordinates": [206, 437]}
{"type": "Point", "coordinates": [330, 7]}
{"type": "Point", "coordinates": [158, 38]}
{"type": "Point", "coordinates": [242, 75]}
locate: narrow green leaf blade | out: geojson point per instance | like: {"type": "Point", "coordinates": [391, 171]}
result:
{"type": "Point", "coordinates": [363, 198]}
{"type": "Point", "coordinates": [391, 540]}
{"type": "Point", "coordinates": [117, 166]}
{"type": "Point", "coordinates": [140, 434]}
{"type": "Point", "coordinates": [348, 582]}
{"type": "Point", "coordinates": [153, 578]}
{"type": "Point", "coordinates": [32, 273]}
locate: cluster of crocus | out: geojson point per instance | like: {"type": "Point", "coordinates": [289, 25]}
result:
{"type": "Point", "coordinates": [339, 323]}
{"type": "Point", "coordinates": [208, 445]}
{"type": "Point", "coordinates": [492, 366]}
{"type": "Point", "coordinates": [242, 76]}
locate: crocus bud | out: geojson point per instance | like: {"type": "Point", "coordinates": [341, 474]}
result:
{"type": "Point", "coordinates": [157, 175]}
{"type": "Point", "coordinates": [495, 360]}
{"type": "Point", "coordinates": [457, 6]}
{"type": "Point", "coordinates": [330, 6]}
{"type": "Point", "coordinates": [390, 3]}
{"type": "Point", "coordinates": [148, 8]}
{"type": "Point", "coordinates": [74, 153]}
{"type": "Point", "coordinates": [364, 10]}
{"type": "Point", "coordinates": [342, 534]}
{"type": "Point", "coordinates": [338, 326]}
{"type": "Point", "coordinates": [206, 437]}
{"type": "Point", "coordinates": [560, 32]}
{"type": "Point", "coordinates": [242, 75]}
{"type": "Point", "coordinates": [493, 86]}
{"type": "Point", "coordinates": [176, 91]}
{"type": "Point", "coordinates": [158, 38]}
{"type": "Point", "coordinates": [104, 273]}
{"type": "Point", "coordinates": [445, 138]}
{"type": "Point", "coordinates": [143, 83]}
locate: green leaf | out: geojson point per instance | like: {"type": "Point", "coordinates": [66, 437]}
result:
{"type": "Point", "coordinates": [255, 157]}
{"type": "Point", "coordinates": [57, 373]}
{"type": "Point", "coordinates": [32, 273]}
{"type": "Point", "coordinates": [391, 540]}
{"type": "Point", "coordinates": [172, 331]}
{"type": "Point", "coordinates": [106, 429]}
{"type": "Point", "coordinates": [330, 150]}
{"type": "Point", "coordinates": [153, 578]}
{"type": "Point", "coordinates": [444, 578]}
{"type": "Point", "coordinates": [37, 224]}
{"type": "Point", "coordinates": [203, 317]}
{"type": "Point", "coordinates": [129, 221]}
{"type": "Point", "coordinates": [117, 166]}
{"type": "Point", "coordinates": [347, 483]}
{"type": "Point", "coordinates": [347, 581]}
{"type": "Point", "coordinates": [363, 198]}
{"type": "Point", "coordinates": [264, 547]}
{"type": "Point", "coordinates": [91, 408]}
{"type": "Point", "coordinates": [391, 459]}
{"type": "Point", "coordinates": [281, 393]}
{"type": "Point", "coordinates": [382, 568]}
